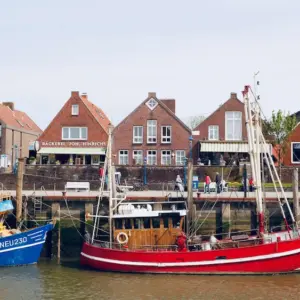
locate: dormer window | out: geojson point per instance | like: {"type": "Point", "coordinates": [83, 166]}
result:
{"type": "Point", "coordinates": [75, 110]}
{"type": "Point", "coordinates": [151, 103]}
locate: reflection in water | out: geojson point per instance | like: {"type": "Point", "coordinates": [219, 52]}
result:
{"type": "Point", "coordinates": [50, 281]}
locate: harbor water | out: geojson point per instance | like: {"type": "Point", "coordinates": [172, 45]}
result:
{"type": "Point", "coordinates": [48, 280]}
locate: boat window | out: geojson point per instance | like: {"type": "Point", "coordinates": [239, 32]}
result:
{"type": "Point", "coordinates": [155, 222]}
{"type": "Point", "coordinates": [118, 224]}
{"type": "Point", "coordinates": [176, 222]}
{"type": "Point", "coordinates": [137, 223]}
{"type": "Point", "coordinates": [166, 222]}
{"type": "Point", "coordinates": [146, 223]}
{"type": "Point", "coordinates": [127, 224]}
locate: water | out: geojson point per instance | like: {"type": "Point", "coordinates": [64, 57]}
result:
{"type": "Point", "coordinates": [50, 281]}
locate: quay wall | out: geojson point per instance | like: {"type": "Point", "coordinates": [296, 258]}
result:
{"type": "Point", "coordinates": [54, 177]}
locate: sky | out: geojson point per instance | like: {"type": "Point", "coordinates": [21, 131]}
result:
{"type": "Point", "coordinates": [197, 52]}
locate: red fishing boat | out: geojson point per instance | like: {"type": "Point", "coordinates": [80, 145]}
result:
{"type": "Point", "coordinates": [154, 237]}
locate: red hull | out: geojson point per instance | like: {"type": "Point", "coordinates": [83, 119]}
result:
{"type": "Point", "coordinates": [279, 257]}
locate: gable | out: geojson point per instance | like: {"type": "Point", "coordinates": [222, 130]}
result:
{"type": "Point", "coordinates": [86, 118]}
{"type": "Point", "coordinates": [149, 109]}
{"type": "Point", "coordinates": [232, 104]}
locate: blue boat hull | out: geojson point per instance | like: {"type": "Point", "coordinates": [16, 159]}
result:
{"type": "Point", "coordinates": [23, 248]}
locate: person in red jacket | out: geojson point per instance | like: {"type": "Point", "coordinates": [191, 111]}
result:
{"type": "Point", "coordinates": [251, 184]}
{"type": "Point", "coordinates": [101, 171]}
{"type": "Point", "coordinates": [207, 182]}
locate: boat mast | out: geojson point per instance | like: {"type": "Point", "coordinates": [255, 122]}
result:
{"type": "Point", "coordinates": [253, 133]}
{"type": "Point", "coordinates": [110, 179]}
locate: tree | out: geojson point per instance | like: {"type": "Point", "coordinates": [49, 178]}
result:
{"type": "Point", "coordinates": [278, 129]}
{"type": "Point", "coordinates": [194, 121]}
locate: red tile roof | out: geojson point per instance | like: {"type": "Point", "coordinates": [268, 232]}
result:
{"type": "Point", "coordinates": [17, 119]}
{"type": "Point", "coordinates": [97, 112]}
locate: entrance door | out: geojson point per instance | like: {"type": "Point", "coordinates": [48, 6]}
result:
{"type": "Point", "coordinates": [79, 160]}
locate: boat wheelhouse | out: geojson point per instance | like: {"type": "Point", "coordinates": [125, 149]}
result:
{"type": "Point", "coordinates": [150, 225]}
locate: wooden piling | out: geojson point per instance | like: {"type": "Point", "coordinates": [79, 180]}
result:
{"type": "Point", "coordinates": [19, 189]}
{"type": "Point", "coordinates": [296, 194]}
{"type": "Point", "coordinates": [226, 218]}
{"type": "Point", "coordinates": [55, 208]}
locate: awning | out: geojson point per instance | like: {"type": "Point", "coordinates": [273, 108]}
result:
{"type": "Point", "coordinates": [229, 147]}
{"type": "Point", "coordinates": [67, 150]}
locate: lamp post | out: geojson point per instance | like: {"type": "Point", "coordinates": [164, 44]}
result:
{"type": "Point", "coordinates": [145, 171]}
{"type": "Point", "coordinates": [184, 170]}
{"type": "Point", "coordinates": [191, 146]}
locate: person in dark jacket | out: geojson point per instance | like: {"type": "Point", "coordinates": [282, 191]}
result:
{"type": "Point", "coordinates": [218, 182]}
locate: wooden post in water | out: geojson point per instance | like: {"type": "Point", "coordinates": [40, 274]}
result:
{"type": "Point", "coordinates": [190, 194]}
{"type": "Point", "coordinates": [55, 208]}
{"type": "Point", "coordinates": [296, 194]}
{"type": "Point", "coordinates": [19, 190]}
{"type": "Point", "coordinates": [58, 236]}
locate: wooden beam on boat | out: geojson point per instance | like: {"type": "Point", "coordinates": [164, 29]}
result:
{"type": "Point", "coordinates": [19, 189]}
{"type": "Point", "coordinates": [296, 195]}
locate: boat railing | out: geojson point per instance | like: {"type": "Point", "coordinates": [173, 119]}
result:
{"type": "Point", "coordinates": [150, 248]}
{"type": "Point", "coordinates": [230, 234]}
{"type": "Point", "coordinates": [280, 228]}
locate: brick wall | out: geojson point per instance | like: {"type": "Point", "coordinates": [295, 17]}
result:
{"type": "Point", "coordinates": [55, 177]}
{"type": "Point", "coordinates": [123, 133]}
{"type": "Point", "coordinates": [53, 132]}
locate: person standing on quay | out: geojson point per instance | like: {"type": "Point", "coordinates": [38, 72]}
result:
{"type": "Point", "coordinates": [207, 183]}
{"type": "Point", "coordinates": [218, 182]}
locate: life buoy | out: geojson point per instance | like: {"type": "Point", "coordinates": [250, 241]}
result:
{"type": "Point", "coordinates": [122, 238]}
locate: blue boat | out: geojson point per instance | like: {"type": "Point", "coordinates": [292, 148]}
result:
{"type": "Point", "coordinates": [23, 248]}
{"type": "Point", "coordinates": [20, 247]}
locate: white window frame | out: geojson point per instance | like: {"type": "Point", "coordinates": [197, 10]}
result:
{"type": "Point", "coordinates": [168, 139]}
{"type": "Point", "coordinates": [233, 118]}
{"type": "Point", "coordinates": [75, 109]}
{"type": "Point", "coordinates": [213, 132]}
{"type": "Point", "coordinates": [69, 134]}
{"type": "Point", "coordinates": [151, 103]}
{"type": "Point", "coordinates": [152, 155]}
{"type": "Point", "coordinates": [292, 156]}
{"type": "Point", "coordinates": [134, 155]}
{"type": "Point", "coordinates": [152, 139]}
{"type": "Point", "coordinates": [137, 139]}
{"type": "Point", "coordinates": [179, 158]}
{"type": "Point", "coordinates": [166, 158]}
{"type": "Point", "coordinates": [95, 163]}
{"type": "Point", "coordinates": [123, 156]}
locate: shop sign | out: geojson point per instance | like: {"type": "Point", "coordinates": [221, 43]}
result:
{"type": "Point", "coordinates": [73, 144]}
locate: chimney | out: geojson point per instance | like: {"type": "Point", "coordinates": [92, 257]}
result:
{"type": "Point", "coordinates": [151, 95]}
{"type": "Point", "coordinates": [233, 96]}
{"type": "Point", "coordinates": [74, 94]}
{"type": "Point", "coordinates": [170, 103]}
{"type": "Point", "coordinates": [84, 96]}
{"type": "Point", "coordinates": [11, 105]}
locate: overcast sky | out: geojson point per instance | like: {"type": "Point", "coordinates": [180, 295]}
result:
{"type": "Point", "coordinates": [117, 51]}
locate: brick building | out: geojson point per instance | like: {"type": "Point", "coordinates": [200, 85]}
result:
{"type": "Point", "coordinates": [291, 157]}
{"type": "Point", "coordinates": [152, 132]}
{"type": "Point", "coordinates": [17, 133]}
{"type": "Point", "coordinates": [77, 135]}
{"type": "Point", "coordinates": [221, 139]}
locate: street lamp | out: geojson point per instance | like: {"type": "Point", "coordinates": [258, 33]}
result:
{"type": "Point", "coordinates": [145, 170]}
{"type": "Point", "coordinates": [191, 146]}
{"type": "Point", "coordinates": [185, 160]}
